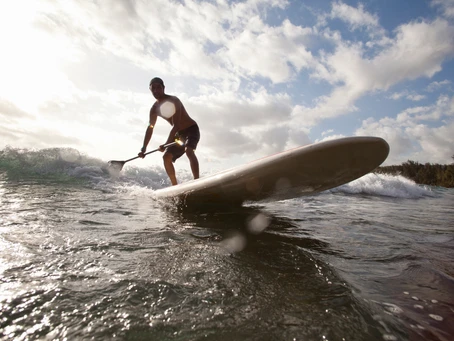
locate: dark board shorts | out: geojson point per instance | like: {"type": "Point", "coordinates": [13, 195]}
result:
{"type": "Point", "coordinates": [189, 136]}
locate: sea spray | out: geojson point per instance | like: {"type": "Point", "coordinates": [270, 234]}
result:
{"type": "Point", "coordinates": [68, 164]}
{"type": "Point", "coordinates": [395, 186]}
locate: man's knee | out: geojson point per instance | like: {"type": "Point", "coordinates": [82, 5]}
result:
{"type": "Point", "coordinates": [167, 157]}
{"type": "Point", "coordinates": [190, 152]}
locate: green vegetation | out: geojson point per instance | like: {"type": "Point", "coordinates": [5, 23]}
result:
{"type": "Point", "coordinates": [425, 174]}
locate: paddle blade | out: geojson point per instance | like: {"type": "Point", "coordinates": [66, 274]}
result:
{"type": "Point", "coordinates": [115, 167]}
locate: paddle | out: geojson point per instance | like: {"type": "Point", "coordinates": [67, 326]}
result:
{"type": "Point", "coordinates": [117, 166]}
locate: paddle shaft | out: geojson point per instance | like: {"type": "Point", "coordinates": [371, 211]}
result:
{"type": "Point", "coordinates": [151, 151]}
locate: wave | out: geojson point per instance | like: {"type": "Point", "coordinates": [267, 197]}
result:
{"type": "Point", "coordinates": [395, 186]}
{"type": "Point", "coordinates": [69, 165]}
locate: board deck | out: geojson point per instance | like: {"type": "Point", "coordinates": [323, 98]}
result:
{"type": "Point", "coordinates": [297, 172]}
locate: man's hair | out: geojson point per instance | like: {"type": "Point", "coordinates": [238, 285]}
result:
{"type": "Point", "coordinates": [157, 80]}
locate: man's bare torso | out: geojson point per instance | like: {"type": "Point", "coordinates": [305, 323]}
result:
{"type": "Point", "coordinates": [180, 119]}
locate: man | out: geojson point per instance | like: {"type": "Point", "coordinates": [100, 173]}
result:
{"type": "Point", "coordinates": [184, 128]}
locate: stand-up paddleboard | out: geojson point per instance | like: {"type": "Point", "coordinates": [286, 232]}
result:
{"type": "Point", "coordinates": [301, 171]}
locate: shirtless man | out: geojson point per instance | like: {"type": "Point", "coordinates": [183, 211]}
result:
{"type": "Point", "coordinates": [184, 127]}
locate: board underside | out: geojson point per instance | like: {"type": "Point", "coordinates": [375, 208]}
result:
{"type": "Point", "coordinates": [297, 172]}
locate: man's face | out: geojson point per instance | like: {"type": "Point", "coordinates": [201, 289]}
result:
{"type": "Point", "coordinates": [157, 90]}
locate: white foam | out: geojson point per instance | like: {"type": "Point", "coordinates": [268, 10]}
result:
{"type": "Point", "coordinates": [436, 317]}
{"type": "Point", "coordinates": [85, 171]}
{"type": "Point", "coordinates": [70, 162]}
{"type": "Point", "coordinates": [395, 186]}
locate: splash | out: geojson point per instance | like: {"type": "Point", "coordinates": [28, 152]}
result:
{"type": "Point", "coordinates": [20, 163]}
{"type": "Point", "coordinates": [69, 165]}
{"type": "Point", "coordinates": [385, 185]}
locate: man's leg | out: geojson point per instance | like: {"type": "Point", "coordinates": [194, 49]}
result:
{"type": "Point", "coordinates": [168, 165]}
{"type": "Point", "coordinates": [193, 161]}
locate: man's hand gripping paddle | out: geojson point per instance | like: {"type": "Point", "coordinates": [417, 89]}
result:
{"type": "Point", "coordinates": [115, 167]}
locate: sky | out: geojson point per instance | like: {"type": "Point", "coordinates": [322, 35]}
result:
{"type": "Point", "coordinates": [258, 76]}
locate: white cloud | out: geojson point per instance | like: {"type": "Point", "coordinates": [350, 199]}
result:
{"type": "Point", "coordinates": [233, 124]}
{"type": "Point", "coordinates": [412, 134]}
{"type": "Point", "coordinates": [9, 111]}
{"type": "Point", "coordinates": [330, 137]}
{"type": "Point", "coordinates": [340, 101]}
{"type": "Point", "coordinates": [277, 53]}
{"type": "Point", "coordinates": [398, 95]}
{"type": "Point", "coordinates": [327, 132]}
{"type": "Point", "coordinates": [211, 41]}
{"type": "Point", "coordinates": [415, 97]}
{"type": "Point", "coordinates": [443, 108]}
{"type": "Point", "coordinates": [418, 50]}
{"type": "Point", "coordinates": [446, 6]}
{"type": "Point", "coordinates": [412, 96]}
{"type": "Point", "coordinates": [355, 17]}
{"type": "Point", "coordinates": [438, 85]}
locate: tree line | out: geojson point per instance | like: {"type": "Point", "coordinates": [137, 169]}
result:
{"type": "Point", "coordinates": [425, 174]}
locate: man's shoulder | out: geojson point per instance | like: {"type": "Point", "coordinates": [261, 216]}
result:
{"type": "Point", "coordinates": [173, 98]}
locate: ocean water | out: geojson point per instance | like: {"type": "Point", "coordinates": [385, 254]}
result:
{"type": "Point", "coordinates": [87, 256]}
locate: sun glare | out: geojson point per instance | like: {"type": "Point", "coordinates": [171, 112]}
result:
{"type": "Point", "coordinates": [31, 57]}
{"type": "Point", "coordinates": [167, 109]}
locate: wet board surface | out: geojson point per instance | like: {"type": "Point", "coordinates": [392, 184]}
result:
{"type": "Point", "coordinates": [297, 172]}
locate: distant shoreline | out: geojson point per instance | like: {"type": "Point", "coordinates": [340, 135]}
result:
{"type": "Point", "coordinates": [424, 174]}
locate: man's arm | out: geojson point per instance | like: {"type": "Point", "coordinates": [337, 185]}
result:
{"type": "Point", "coordinates": [148, 132]}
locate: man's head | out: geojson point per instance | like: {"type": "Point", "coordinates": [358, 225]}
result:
{"type": "Point", "coordinates": [157, 80]}
{"type": "Point", "coordinates": [157, 87]}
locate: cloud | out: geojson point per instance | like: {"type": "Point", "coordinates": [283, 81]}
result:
{"type": "Point", "coordinates": [417, 133]}
{"type": "Point", "coordinates": [327, 132]}
{"type": "Point", "coordinates": [356, 17]}
{"type": "Point", "coordinates": [398, 95]}
{"type": "Point", "coordinates": [277, 53]}
{"type": "Point", "coordinates": [446, 7]}
{"type": "Point", "coordinates": [37, 139]}
{"type": "Point", "coordinates": [11, 112]}
{"type": "Point", "coordinates": [238, 124]}
{"type": "Point", "coordinates": [436, 143]}
{"type": "Point", "coordinates": [412, 96]}
{"type": "Point", "coordinates": [443, 108]}
{"type": "Point", "coordinates": [418, 50]}
{"type": "Point", "coordinates": [327, 137]}
{"type": "Point", "coordinates": [340, 101]}
{"type": "Point", "coordinates": [209, 41]}
{"type": "Point", "coordinates": [236, 43]}
{"type": "Point", "coordinates": [415, 97]}
{"type": "Point", "coordinates": [437, 85]}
